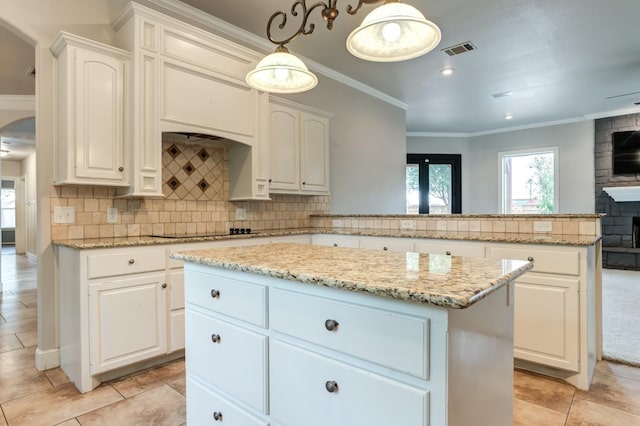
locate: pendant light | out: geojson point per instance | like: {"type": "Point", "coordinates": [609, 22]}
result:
{"type": "Point", "coordinates": [393, 32]}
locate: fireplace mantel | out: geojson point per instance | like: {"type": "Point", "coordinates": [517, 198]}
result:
{"type": "Point", "coordinates": [624, 193]}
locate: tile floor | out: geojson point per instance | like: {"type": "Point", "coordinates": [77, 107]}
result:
{"type": "Point", "coordinates": [156, 396]}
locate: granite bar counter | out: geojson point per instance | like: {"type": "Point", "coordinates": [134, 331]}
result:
{"type": "Point", "coordinates": [314, 335]}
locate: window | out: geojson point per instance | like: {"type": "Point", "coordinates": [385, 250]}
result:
{"type": "Point", "coordinates": [7, 204]}
{"type": "Point", "coordinates": [433, 183]}
{"type": "Point", "coordinates": [529, 183]}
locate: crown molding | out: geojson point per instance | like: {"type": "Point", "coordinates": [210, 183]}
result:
{"type": "Point", "coordinates": [220, 27]}
{"type": "Point", "coordinates": [18, 102]}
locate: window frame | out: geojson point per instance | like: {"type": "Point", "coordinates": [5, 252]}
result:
{"type": "Point", "coordinates": [455, 161]}
{"type": "Point", "coordinates": [529, 151]}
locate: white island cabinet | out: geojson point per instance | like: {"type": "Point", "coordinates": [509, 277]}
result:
{"type": "Point", "coordinates": [294, 334]}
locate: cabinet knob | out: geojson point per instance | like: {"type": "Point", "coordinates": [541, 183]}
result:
{"type": "Point", "coordinates": [132, 261]}
{"type": "Point", "coordinates": [331, 324]}
{"type": "Point", "coordinates": [385, 248]}
{"type": "Point", "coordinates": [530, 258]}
{"type": "Point", "coordinates": [304, 183]}
{"type": "Point", "coordinates": [335, 244]}
{"type": "Point", "coordinates": [332, 386]}
{"type": "Point", "coordinates": [217, 416]}
{"type": "Point", "coordinates": [448, 253]}
{"type": "Point", "coordinates": [121, 169]}
{"type": "Point", "coordinates": [269, 180]}
{"type": "Point", "coordinates": [215, 338]}
{"type": "Point", "coordinates": [215, 293]}
{"type": "Point", "coordinates": [164, 285]}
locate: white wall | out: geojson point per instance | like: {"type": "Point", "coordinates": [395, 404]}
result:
{"type": "Point", "coordinates": [29, 171]}
{"type": "Point", "coordinates": [575, 142]}
{"type": "Point", "coordinates": [11, 168]}
{"type": "Point", "coordinates": [368, 149]}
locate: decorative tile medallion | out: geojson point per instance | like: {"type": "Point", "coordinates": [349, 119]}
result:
{"type": "Point", "coordinates": [203, 184]}
{"type": "Point", "coordinates": [189, 168]}
{"type": "Point", "coordinates": [173, 151]}
{"type": "Point", "coordinates": [203, 154]}
{"type": "Point", "coordinates": [173, 183]}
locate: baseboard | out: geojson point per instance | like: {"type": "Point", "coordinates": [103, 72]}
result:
{"type": "Point", "coordinates": [48, 359]}
{"type": "Point", "coordinates": [31, 256]}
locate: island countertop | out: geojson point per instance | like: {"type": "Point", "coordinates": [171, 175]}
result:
{"type": "Point", "coordinates": [441, 280]}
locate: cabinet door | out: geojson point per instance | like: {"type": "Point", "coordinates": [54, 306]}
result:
{"type": "Point", "coordinates": [335, 240]}
{"type": "Point", "coordinates": [99, 117]}
{"type": "Point", "coordinates": [300, 393]}
{"type": "Point", "coordinates": [284, 143]}
{"type": "Point", "coordinates": [176, 313]}
{"type": "Point", "coordinates": [452, 248]}
{"type": "Point", "coordinates": [127, 321]}
{"type": "Point", "coordinates": [546, 321]}
{"type": "Point", "coordinates": [387, 244]}
{"type": "Point", "coordinates": [314, 153]}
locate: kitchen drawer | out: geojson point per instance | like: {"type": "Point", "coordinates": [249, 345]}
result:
{"type": "Point", "coordinates": [387, 338]}
{"type": "Point", "coordinates": [550, 260]}
{"type": "Point", "coordinates": [451, 248]}
{"type": "Point", "coordinates": [125, 262]}
{"type": "Point", "coordinates": [236, 363]}
{"type": "Point", "coordinates": [335, 240]}
{"type": "Point", "coordinates": [203, 403]}
{"type": "Point", "coordinates": [299, 394]}
{"type": "Point", "coordinates": [387, 244]}
{"type": "Point", "coordinates": [237, 299]}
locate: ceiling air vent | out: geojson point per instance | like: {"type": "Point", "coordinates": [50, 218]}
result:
{"type": "Point", "coordinates": [458, 49]}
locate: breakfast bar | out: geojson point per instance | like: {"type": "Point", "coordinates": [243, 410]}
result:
{"type": "Point", "coordinates": [294, 334]}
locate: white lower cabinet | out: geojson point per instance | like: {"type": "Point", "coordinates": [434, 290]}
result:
{"type": "Point", "coordinates": [136, 305]}
{"type": "Point", "coordinates": [387, 244]}
{"type": "Point", "coordinates": [324, 356]}
{"type": "Point", "coordinates": [451, 248]}
{"type": "Point", "coordinates": [313, 389]}
{"type": "Point", "coordinates": [176, 309]}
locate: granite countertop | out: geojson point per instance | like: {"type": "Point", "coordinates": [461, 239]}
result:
{"type": "Point", "coordinates": [446, 281]}
{"type": "Point", "coordinates": [569, 240]}
{"type": "Point", "coordinates": [470, 216]}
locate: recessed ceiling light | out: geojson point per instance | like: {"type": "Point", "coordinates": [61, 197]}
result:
{"type": "Point", "coordinates": [447, 71]}
{"type": "Point", "coordinates": [508, 117]}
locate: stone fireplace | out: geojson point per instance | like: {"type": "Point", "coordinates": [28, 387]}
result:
{"type": "Point", "coordinates": [621, 225]}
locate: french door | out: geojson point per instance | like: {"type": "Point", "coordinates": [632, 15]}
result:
{"type": "Point", "coordinates": [434, 183]}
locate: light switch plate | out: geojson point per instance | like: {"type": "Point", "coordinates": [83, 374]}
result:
{"type": "Point", "coordinates": [408, 224]}
{"type": "Point", "coordinates": [112, 215]}
{"type": "Point", "coordinates": [64, 215]}
{"type": "Point", "coordinates": [241, 214]}
{"type": "Point", "coordinates": [337, 223]}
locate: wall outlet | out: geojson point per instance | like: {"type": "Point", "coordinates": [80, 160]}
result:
{"type": "Point", "coordinates": [408, 224]}
{"type": "Point", "coordinates": [241, 214]}
{"type": "Point", "coordinates": [542, 226]}
{"type": "Point", "coordinates": [112, 215]}
{"type": "Point", "coordinates": [337, 223]}
{"type": "Point", "coordinates": [64, 214]}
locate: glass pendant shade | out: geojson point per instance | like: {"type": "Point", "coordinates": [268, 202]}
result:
{"type": "Point", "coordinates": [281, 72]}
{"type": "Point", "coordinates": [393, 32]}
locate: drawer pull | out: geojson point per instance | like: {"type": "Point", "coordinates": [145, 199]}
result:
{"type": "Point", "coordinates": [121, 169]}
{"type": "Point", "coordinates": [332, 386]}
{"type": "Point", "coordinates": [217, 416]}
{"type": "Point", "coordinates": [385, 248]}
{"type": "Point", "coordinates": [215, 293]}
{"type": "Point", "coordinates": [335, 244]}
{"type": "Point", "coordinates": [132, 261]}
{"type": "Point", "coordinates": [448, 253]}
{"type": "Point", "coordinates": [530, 258]}
{"type": "Point", "coordinates": [331, 324]}
{"type": "Point", "coordinates": [215, 338]}
{"type": "Point", "coordinates": [164, 285]}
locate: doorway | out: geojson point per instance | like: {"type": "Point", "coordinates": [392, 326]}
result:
{"type": "Point", "coordinates": [434, 183]}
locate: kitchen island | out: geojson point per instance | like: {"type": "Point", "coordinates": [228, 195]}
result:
{"type": "Point", "coordinates": [293, 334]}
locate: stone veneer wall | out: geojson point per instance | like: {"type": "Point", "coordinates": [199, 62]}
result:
{"type": "Point", "coordinates": [573, 225]}
{"type": "Point", "coordinates": [616, 225]}
{"type": "Point", "coordinates": [196, 187]}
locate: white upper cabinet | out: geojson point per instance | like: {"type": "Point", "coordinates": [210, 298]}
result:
{"type": "Point", "coordinates": [299, 149]}
{"type": "Point", "coordinates": [91, 108]}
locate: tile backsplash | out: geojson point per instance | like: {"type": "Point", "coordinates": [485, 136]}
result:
{"type": "Point", "coordinates": [196, 187]}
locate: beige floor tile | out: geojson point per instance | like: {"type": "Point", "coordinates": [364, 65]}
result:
{"type": "Point", "coordinates": [57, 377]}
{"type": "Point", "coordinates": [18, 326]}
{"type": "Point", "coordinates": [527, 414]}
{"type": "Point", "coordinates": [20, 314]}
{"type": "Point", "coordinates": [161, 406]}
{"type": "Point", "coordinates": [613, 391]}
{"type": "Point", "coordinates": [57, 405]}
{"type": "Point", "coordinates": [542, 391]}
{"type": "Point", "coordinates": [152, 378]}
{"type": "Point", "coordinates": [9, 343]}
{"type": "Point", "coordinates": [22, 382]}
{"type": "Point", "coordinates": [28, 338]}
{"type": "Point", "coordinates": [72, 422]}
{"type": "Point", "coordinates": [592, 414]}
{"type": "Point", "coordinates": [620, 370]}
{"type": "Point", "coordinates": [16, 360]}
{"type": "Point", "coordinates": [3, 422]}
{"type": "Point", "coordinates": [180, 385]}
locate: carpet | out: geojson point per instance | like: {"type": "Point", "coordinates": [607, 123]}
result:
{"type": "Point", "coordinates": [621, 316]}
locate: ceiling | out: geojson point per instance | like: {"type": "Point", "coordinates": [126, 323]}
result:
{"type": "Point", "coordinates": [561, 60]}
